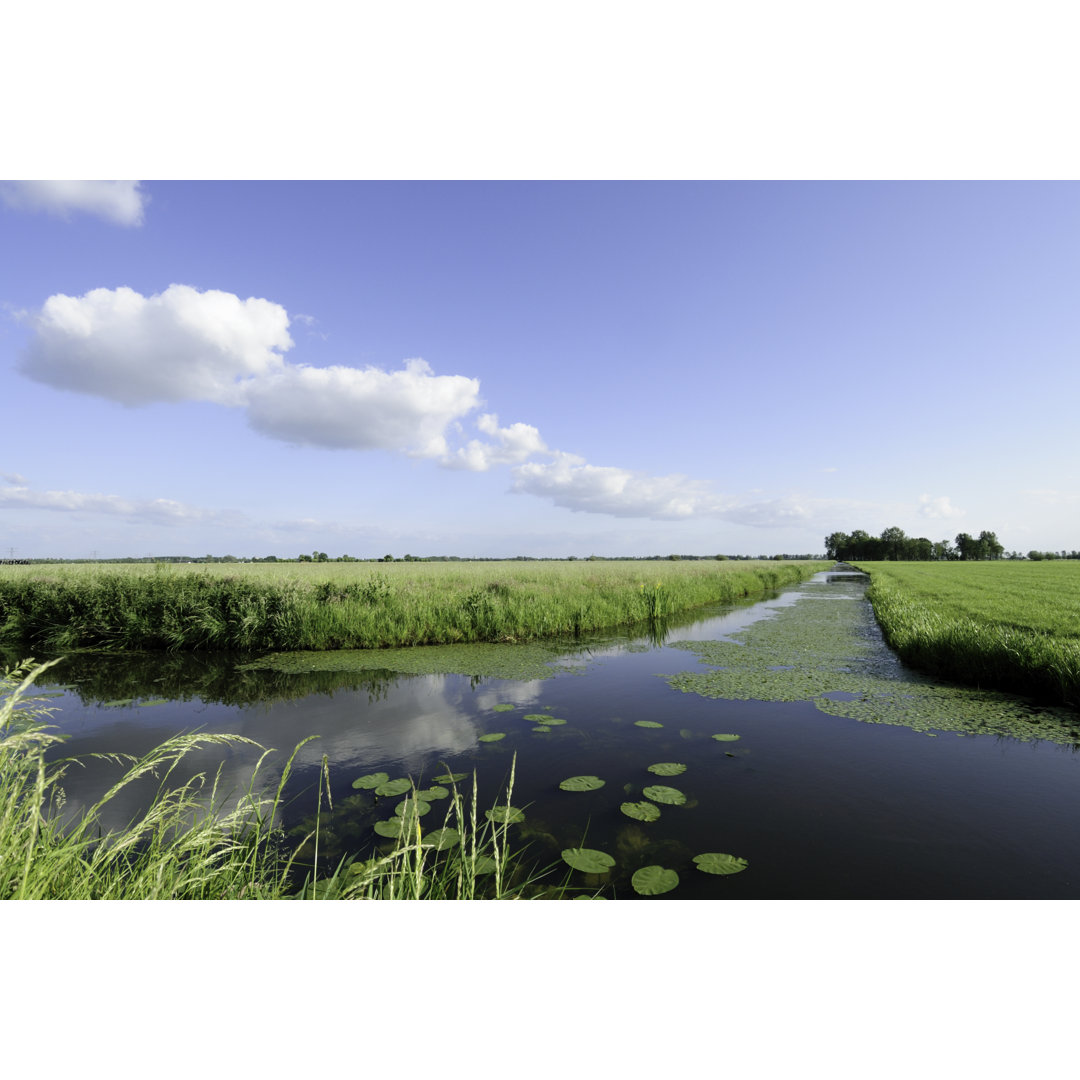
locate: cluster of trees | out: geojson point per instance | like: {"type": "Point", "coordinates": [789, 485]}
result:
{"type": "Point", "coordinates": [894, 545]}
{"type": "Point", "coordinates": [1037, 556]}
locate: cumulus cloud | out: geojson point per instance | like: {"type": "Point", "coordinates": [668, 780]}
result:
{"type": "Point", "coordinates": [362, 409]}
{"type": "Point", "coordinates": [602, 489]}
{"type": "Point", "coordinates": [178, 345]}
{"type": "Point", "coordinates": [118, 201]}
{"type": "Point", "coordinates": [512, 445]}
{"type": "Point", "coordinates": [157, 511]}
{"type": "Point", "coordinates": [939, 507]}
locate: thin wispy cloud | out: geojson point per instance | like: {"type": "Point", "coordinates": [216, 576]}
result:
{"type": "Point", "coordinates": [157, 511]}
{"type": "Point", "coordinates": [120, 202]}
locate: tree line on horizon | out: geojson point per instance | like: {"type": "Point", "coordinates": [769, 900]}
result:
{"type": "Point", "coordinates": [894, 545]}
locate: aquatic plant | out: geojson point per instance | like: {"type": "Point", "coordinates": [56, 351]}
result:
{"type": "Point", "coordinates": [582, 783]}
{"type": "Point", "coordinates": [714, 862]}
{"type": "Point", "coordinates": [654, 881]}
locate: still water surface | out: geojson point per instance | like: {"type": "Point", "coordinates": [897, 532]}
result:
{"type": "Point", "coordinates": [821, 806]}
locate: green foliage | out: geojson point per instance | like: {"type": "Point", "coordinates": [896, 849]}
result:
{"type": "Point", "coordinates": [588, 860]}
{"type": "Point", "coordinates": [641, 811]}
{"type": "Point", "coordinates": [714, 862]}
{"type": "Point", "coordinates": [323, 605]}
{"type": "Point", "coordinates": [582, 783]}
{"type": "Point", "coordinates": [1010, 625]}
{"type": "Point", "coordinates": [654, 881]}
{"type": "Point", "coordinates": [667, 768]}
{"type": "Point", "coordinates": [662, 794]}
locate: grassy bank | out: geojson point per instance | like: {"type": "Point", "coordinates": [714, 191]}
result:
{"type": "Point", "coordinates": [188, 846]}
{"type": "Point", "coordinates": [358, 606]}
{"type": "Point", "coordinates": [1008, 625]}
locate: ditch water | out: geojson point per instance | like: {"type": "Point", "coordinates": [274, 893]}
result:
{"type": "Point", "coordinates": [850, 776]}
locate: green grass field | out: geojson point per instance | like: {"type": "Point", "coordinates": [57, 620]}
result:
{"type": "Point", "coordinates": [1009, 625]}
{"type": "Point", "coordinates": [358, 605]}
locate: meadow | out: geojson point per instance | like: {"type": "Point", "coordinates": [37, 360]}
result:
{"type": "Point", "coordinates": [1010, 625]}
{"type": "Point", "coordinates": [323, 606]}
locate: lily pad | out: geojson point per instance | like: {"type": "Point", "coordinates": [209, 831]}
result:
{"type": "Point", "coordinates": [156, 701]}
{"type": "Point", "coordinates": [669, 796]}
{"type": "Point", "coordinates": [541, 727]}
{"type": "Point", "coordinates": [552, 721]}
{"type": "Point", "coordinates": [390, 829]}
{"type": "Point", "coordinates": [441, 839]}
{"type": "Point", "coordinates": [539, 717]}
{"type": "Point", "coordinates": [667, 768]}
{"type": "Point", "coordinates": [714, 862]}
{"type": "Point", "coordinates": [394, 787]}
{"type": "Point", "coordinates": [582, 783]}
{"type": "Point", "coordinates": [647, 723]}
{"type": "Point", "coordinates": [493, 736]}
{"type": "Point", "coordinates": [432, 793]}
{"type": "Point", "coordinates": [505, 815]}
{"type": "Point", "coordinates": [371, 780]}
{"type": "Point", "coordinates": [483, 864]}
{"type": "Point", "coordinates": [588, 860]}
{"type": "Point", "coordinates": [641, 811]}
{"type": "Point", "coordinates": [726, 738]}
{"type": "Point", "coordinates": [450, 778]}
{"type": "Point", "coordinates": [654, 881]}
{"type": "Point", "coordinates": [412, 806]}
{"type": "Point", "coordinates": [504, 707]}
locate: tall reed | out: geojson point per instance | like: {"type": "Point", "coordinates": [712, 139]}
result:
{"type": "Point", "coordinates": [351, 606]}
{"type": "Point", "coordinates": [187, 845]}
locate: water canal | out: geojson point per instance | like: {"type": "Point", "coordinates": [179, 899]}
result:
{"type": "Point", "coordinates": [842, 775]}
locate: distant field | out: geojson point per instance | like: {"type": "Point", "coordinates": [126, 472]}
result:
{"type": "Point", "coordinates": [1011, 625]}
{"type": "Point", "coordinates": [358, 605]}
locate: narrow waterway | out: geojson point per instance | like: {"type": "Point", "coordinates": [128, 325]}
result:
{"type": "Point", "coordinates": [850, 777]}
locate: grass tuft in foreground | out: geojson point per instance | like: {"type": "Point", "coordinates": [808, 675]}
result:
{"type": "Point", "coordinates": [187, 845]}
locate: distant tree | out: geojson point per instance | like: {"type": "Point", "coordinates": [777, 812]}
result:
{"type": "Point", "coordinates": [835, 544]}
{"type": "Point", "coordinates": [892, 540]}
{"type": "Point", "coordinates": [303, 558]}
{"type": "Point", "coordinates": [966, 546]}
{"type": "Point", "coordinates": [388, 558]}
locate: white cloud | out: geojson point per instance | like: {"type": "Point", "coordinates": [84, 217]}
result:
{"type": "Point", "coordinates": [513, 444]}
{"type": "Point", "coordinates": [362, 409]}
{"type": "Point", "coordinates": [12, 478]}
{"type": "Point", "coordinates": [179, 345]}
{"type": "Point", "coordinates": [940, 507]}
{"type": "Point", "coordinates": [602, 489]}
{"type": "Point", "coordinates": [118, 201]}
{"type": "Point", "coordinates": [157, 511]}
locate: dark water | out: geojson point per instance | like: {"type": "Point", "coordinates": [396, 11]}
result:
{"type": "Point", "coordinates": [822, 807]}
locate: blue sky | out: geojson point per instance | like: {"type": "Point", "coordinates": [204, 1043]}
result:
{"type": "Point", "coordinates": [535, 368]}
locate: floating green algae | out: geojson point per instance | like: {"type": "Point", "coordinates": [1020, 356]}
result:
{"type": "Point", "coordinates": [827, 648]}
{"type": "Point", "coordinates": [530, 660]}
